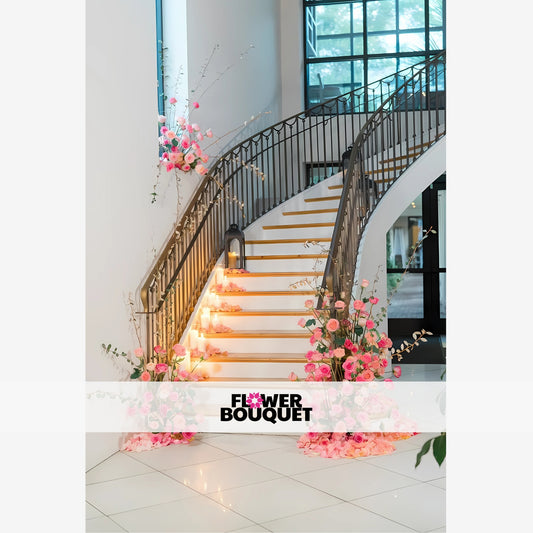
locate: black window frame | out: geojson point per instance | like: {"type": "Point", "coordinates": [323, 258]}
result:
{"type": "Point", "coordinates": [427, 53]}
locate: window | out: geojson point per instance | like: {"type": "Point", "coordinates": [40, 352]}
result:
{"type": "Point", "coordinates": [352, 44]}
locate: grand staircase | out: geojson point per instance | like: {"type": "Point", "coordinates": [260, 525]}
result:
{"type": "Point", "coordinates": [302, 225]}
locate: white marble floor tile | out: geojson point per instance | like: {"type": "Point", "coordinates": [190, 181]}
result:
{"type": "Point", "coordinates": [354, 480]}
{"type": "Point", "coordinates": [125, 494]}
{"type": "Point", "coordinates": [404, 463]}
{"type": "Point", "coordinates": [292, 460]}
{"type": "Point", "coordinates": [198, 513]}
{"type": "Point", "coordinates": [336, 519]}
{"type": "Point", "coordinates": [273, 499]}
{"type": "Point", "coordinates": [240, 444]}
{"type": "Point", "coordinates": [221, 475]}
{"type": "Point", "coordinates": [102, 524]}
{"type": "Point", "coordinates": [421, 507]}
{"type": "Point", "coordinates": [91, 512]}
{"type": "Point", "coordinates": [251, 529]}
{"type": "Point", "coordinates": [117, 466]}
{"type": "Point", "coordinates": [177, 455]}
{"type": "Point", "coordinates": [441, 483]}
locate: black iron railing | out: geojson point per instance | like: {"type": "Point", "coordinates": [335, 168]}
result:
{"type": "Point", "coordinates": [406, 124]}
{"type": "Point", "coordinates": [248, 181]}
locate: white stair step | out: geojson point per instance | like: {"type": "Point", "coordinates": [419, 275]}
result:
{"type": "Point", "coordinates": [279, 320]}
{"type": "Point", "coordinates": [261, 281]}
{"type": "Point", "coordinates": [240, 342]}
{"type": "Point", "coordinates": [248, 300]}
{"type": "Point", "coordinates": [255, 370]}
{"type": "Point", "coordinates": [280, 231]}
{"type": "Point", "coordinates": [312, 247]}
{"type": "Point", "coordinates": [286, 264]}
{"type": "Point", "coordinates": [308, 216]}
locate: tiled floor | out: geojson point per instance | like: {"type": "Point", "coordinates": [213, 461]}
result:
{"type": "Point", "coordinates": [237, 482]}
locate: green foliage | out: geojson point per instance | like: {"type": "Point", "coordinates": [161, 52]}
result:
{"type": "Point", "coordinates": [439, 449]}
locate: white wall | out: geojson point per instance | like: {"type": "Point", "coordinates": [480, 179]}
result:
{"type": "Point", "coordinates": [246, 87]}
{"type": "Point", "coordinates": [372, 257]}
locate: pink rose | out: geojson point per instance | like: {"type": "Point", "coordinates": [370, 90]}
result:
{"type": "Point", "coordinates": [181, 121]}
{"type": "Point", "coordinates": [163, 130]}
{"type": "Point", "coordinates": [349, 344]}
{"type": "Point", "coordinates": [172, 100]}
{"type": "Point", "coordinates": [161, 368]}
{"type": "Point", "coordinates": [139, 352]}
{"type": "Point", "coordinates": [145, 376]}
{"type": "Point", "coordinates": [205, 158]}
{"type": "Point", "coordinates": [185, 142]}
{"type": "Point", "coordinates": [302, 322]}
{"type": "Point", "coordinates": [358, 305]}
{"type": "Point", "coordinates": [200, 169]}
{"type": "Point", "coordinates": [169, 166]}
{"type": "Point", "coordinates": [189, 128]}
{"type": "Point", "coordinates": [338, 352]}
{"type": "Point", "coordinates": [370, 324]}
{"type": "Point", "coordinates": [199, 136]}
{"type": "Point", "coordinates": [332, 325]}
{"type": "Point", "coordinates": [173, 157]}
{"type": "Point", "coordinates": [397, 371]}
{"type": "Point", "coordinates": [293, 377]}
{"type": "Point", "coordinates": [186, 168]}
{"type": "Point", "coordinates": [150, 367]}
{"type": "Point", "coordinates": [324, 371]}
{"type": "Point", "coordinates": [209, 133]}
{"type": "Point", "coordinates": [339, 304]}
{"type": "Point", "coordinates": [364, 283]}
{"type": "Point", "coordinates": [196, 105]}
{"type": "Point", "coordinates": [373, 301]}
{"type": "Point", "coordinates": [189, 158]}
{"type": "Point", "coordinates": [195, 127]}
{"type": "Point", "coordinates": [309, 304]}
{"type": "Point", "coordinates": [310, 367]}
{"type": "Point", "coordinates": [179, 350]}
{"type": "Point", "coordinates": [161, 119]}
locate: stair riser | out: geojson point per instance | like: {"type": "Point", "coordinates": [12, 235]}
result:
{"type": "Point", "coordinates": [289, 233]}
{"type": "Point", "coordinates": [259, 323]}
{"type": "Point", "coordinates": [298, 346]}
{"type": "Point", "coordinates": [274, 283]}
{"type": "Point", "coordinates": [289, 302]}
{"type": "Point", "coordinates": [286, 265]}
{"type": "Point", "coordinates": [253, 370]}
{"type": "Point", "coordinates": [284, 249]}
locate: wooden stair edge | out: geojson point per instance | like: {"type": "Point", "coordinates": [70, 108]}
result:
{"type": "Point", "coordinates": [275, 274]}
{"type": "Point", "coordinates": [322, 199]}
{"type": "Point", "coordinates": [301, 226]}
{"type": "Point", "coordinates": [287, 241]}
{"type": "Point", "coordinates": [310, 211]}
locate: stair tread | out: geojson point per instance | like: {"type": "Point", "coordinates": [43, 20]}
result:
{"type": "Point", "coordinates": [310, 211]}
{"type": "Point", "coordinates": [229, 380]}
{"type": "Point", "coordinates": [257, 358]}
{"type": "Point", "coordinates": [286, 256]}
{"type": "Point", "coordinates": [274, 274]}
{"type": "Point", "coordinates": [322, 199]}
{"type": "Point", "coordinates": [264, 312]}
{"type": "Point", "coordinates": [282, 334]}
{"type": "Point", "coordinates": [304, 225]}
{"type": "Point", "coordinates": [288, 241]}
{"type": "Point", "coordinates": [263, 293]}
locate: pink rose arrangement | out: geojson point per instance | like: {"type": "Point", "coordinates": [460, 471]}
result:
{"type": "Point", "coordinates": [179, 142]}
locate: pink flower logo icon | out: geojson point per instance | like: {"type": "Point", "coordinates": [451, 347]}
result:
{"type": "Point", "coordinates": [254, 400]}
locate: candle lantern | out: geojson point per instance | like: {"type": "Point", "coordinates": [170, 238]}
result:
{"type": "Point", "coordinates": [234, 256]}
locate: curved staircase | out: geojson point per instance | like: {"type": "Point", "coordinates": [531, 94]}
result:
{"type": "Point", "coordinates": [295, 230]}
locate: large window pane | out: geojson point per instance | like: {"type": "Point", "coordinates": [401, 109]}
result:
{"type": "Point", "coordinates": [436, 17]}
{"type": "Point", "coordinates": [442, 291]}
{"type": "Point", "coordinates": [382, 44]}
{"type": "Point", "coordinates": [436, 41]}
{"type": "Point", "coordinates": [332, 19]}
{"type": "Point", "coordinates": [333, 47]}
{"type": "Point", "coordinates": [379, 68]}
{"type": "Point", "coordinates": [358, 49]}
{"type": "Point", "coordinates": [412, 42]}
{"type": "Point", "coordinates": [331, 73]}
{"type": "Point", "coordinates": [381, 15]}
{"type": "Point", "coordinates": [411, 14]}
{"type": "Point", "coordinates": [357, 17]}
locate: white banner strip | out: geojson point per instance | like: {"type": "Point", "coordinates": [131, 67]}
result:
{"type": "Point", "coordinates": [265, 407]}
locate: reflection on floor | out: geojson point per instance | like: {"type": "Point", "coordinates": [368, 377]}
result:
{"type": "Point", "coordinates": [240, 482]}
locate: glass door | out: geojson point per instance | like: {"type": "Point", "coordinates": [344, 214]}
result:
{"type": "Point", "coordinates": [416, 284]}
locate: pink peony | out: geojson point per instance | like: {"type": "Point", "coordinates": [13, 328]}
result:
{"type": "Point", "coordinates": [145, 376]}
{"type": "Point", "coordinates": [332, 325]}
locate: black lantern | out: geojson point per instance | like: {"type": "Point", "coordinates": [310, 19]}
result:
{"type": "Point", "coordinates": [234, 247]}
